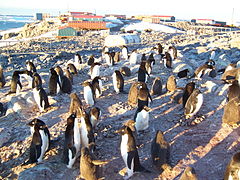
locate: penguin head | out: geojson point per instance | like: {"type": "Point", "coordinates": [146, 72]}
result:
{"type": "Point", "coordinates": [236, 157]}
{"type": "Point", "coordinates": [130, 124]}
{"type": "Point", "coordinates": [85, 152]}
{"type": "Point", "coordinates": [37, 123]}
{"type": "Point", "coordinates": [53, 72]}
{"type": "Point", "coordinates": [210, 62]}
{"type": "Point", "coordinates": [71, 118]}
{"type": "Point", "coordinates": [159, 137]}
{"type": "Point", "coordinates": [86, 83]}
{"type": "Point", "coordinates": [124, 130]}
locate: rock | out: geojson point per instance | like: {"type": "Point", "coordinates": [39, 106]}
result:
{"type": "Point", "coordinates": [182, 66]}
{"type": "Point", "coordinates": [231, 113]}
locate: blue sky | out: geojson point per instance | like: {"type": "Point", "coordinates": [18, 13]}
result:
{"type": "Point", "coordinates": [181, 9]}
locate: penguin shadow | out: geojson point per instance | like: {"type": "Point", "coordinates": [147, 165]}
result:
{"type": "Point", "coordinates": [218, 157]}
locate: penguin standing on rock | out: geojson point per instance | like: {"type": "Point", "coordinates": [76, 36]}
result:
{"type": "Point", "coordinates": [41, 98]}
{"type": "Point", "coordinates": [172, 50]}
{"type": "Point", "coordinates": [72, 141]}
{"type": "Point", "coordinates": [233, 91]}
{"type": "Point", "coordinates": [129, 152]}
{"type": "Point", "coordinates": [183, 73]}
{"type": "Point", "coordinates": [91, 60]}
{"type": "Point", "coordinates": [202, 70]}
{"type": "Point", "coordinates": [54, 82]}
{"type": "Point", "coordinates": [187, 92]}
{"type": "Point", "coordinates": [16, 85]}
{"type": "Point", "coordinates": [95, 114]}
{"type": "Point", "coordinates": [167, 60]}
{"type": "Point", "coordinates": [125, 71]}
{"type": "Point", "coordinates": [142, 118]}
{"type": "Point", "coordinates": [125, 52]}
{"type": "Point", "coordinates": [97, 86]}
{"type": "Point", "coordinates": [156, 87]}
{"type": "Point", "coordinates": [68, 75]}
{"type": "Point", "coordinates": [89, 166]}
{"type": "Point", "coordinates": [76, 106]}
{"type": "Point", "coordinates": [171, 85]}
{"type": "Point", "coordinates": [133, 93]}
{"type": "Point", "coordinates": [40, 140]}
{"type": "Point", "coordinates": [160, 151]}
{"type": "Point", "coordinates": [2, 78]}
{"type": "Point", "coordinates": [66, 85]}
{"type": "Point", "coordinates": [86, 131]}
{"type": "Point", "coordinates": [88, 93]}
{"type": "Point", "coordinates": [143, 73]}
{"type": "Point", "coordinates": [118, 81]}
{"type": "Point", "coordinates": [193, 103]}
{"type": "Point", "coordinates": [95, 70]}
{"type": "Point", "coordinates": [133, 57]}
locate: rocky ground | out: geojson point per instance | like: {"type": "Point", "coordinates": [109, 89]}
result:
{"type": "Point", "coordinates": [207, 146]}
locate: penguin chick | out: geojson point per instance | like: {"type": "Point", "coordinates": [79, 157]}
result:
{"type": "Point", "coordinates": [89, 167]}
{"type": "Point", "coordinates": [189, 174]}
{"type": "Point", "coordinates": [232, 171]}
{"type": "Point", "coordinates": [76, 106]}
{"type": "Point", "coordinates": [160, 151]}
{"type": "Point", "coordinates": [95, 114]}
{"type": "Point", "coordinates": [73, 70]}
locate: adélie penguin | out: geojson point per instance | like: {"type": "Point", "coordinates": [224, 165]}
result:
{"type": "Point", "coordinates": [95, 70]}
{"type": "Point", "coordinates": [95, 114]}
{"type": "Point", "coordinates": [2, 78]}
{"type": "Point", "coordinates": [97, 86]}
{"type": "Point", "coordinates": [72, 141]}
{"type": "Point", "coordinates": [118, 81]}
{"type": "Point", "coordinates": [88, 93]}
{"type": "Point", "coordinates": [54, 83]}
{"type": "Point", "coordinates": [141, 118]}
{"type": "Point", "coordinates": [193, 103]}
{"type": "Point", "coordinates": [129, 152]}
{"type": "Point", "coordinates": [143, 96]}
{"type": "Point", "coordinates": [37, 80]}
{"type": "Point", "coordinates": [40, 140]}
{"type": "Point", "coordinates": [232, 171]}
{"type": "Point", "coordinates": [187, 92]}
{"type": "Point", "coordinates": [41, 98]}
{"type": "Point", "coordinates": [142, 72]}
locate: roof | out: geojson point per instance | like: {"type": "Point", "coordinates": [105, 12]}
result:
{"type": "Point", "coordinates": [87, 16]}
{"type": "Point", "coordinates": [161, 16]}
{"type": "Point", "coordinates": [64, 27]}
{"type": "Point", "coordinates": [204, 19]}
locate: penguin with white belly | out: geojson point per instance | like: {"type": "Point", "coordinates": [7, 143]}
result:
{"type": "Point", "coordinates": [125, 52]}
{"type": "Point", "coordinates": [30, 66]}
{"type": "Point", "coordinates": [133, 57]}
{"type": "Point", "coordinates": [72, 141]}
{"type": "Point", "coordinates": [118, 81]}
{"type": "Point", "coordinates": [16, 85]}
{"type": "Point", "coordinates": [86, 131]}
{"type": "Point", "coordinates": [40, 140]}
{"type": "Point", "coordinates": [88, 93]}
{"type": "Point", "coordinates": [54, 82]}
{"type": "Point", "coordinates": [95, 70]}
{"type": "Point", "coordinates": [37, 80]}
{"type": "Point", "coordinates": [41, 98]}
{"type": "Point", "coordinates": [97, 86]}
{"type": "Point", "coordinates": [95, 114]}
{"type": "Point", "coordinates": [142, 118]}
{"type": "Point", "coordinates": [129, 152]}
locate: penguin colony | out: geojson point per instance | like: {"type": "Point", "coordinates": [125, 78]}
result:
{"type": "Point", "coordinates": [80, 141]}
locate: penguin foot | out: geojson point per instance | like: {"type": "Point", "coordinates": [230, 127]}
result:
{"type": "Point", "coordinates": [191, 121]}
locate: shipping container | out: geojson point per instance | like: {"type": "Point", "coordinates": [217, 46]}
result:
{"type": "Point", "coordinates": [122, 39]}
{"type": "Point", "coordinates": [67, 32]}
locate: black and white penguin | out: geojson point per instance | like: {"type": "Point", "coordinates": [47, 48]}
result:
{"type": "Point", "coordinates": [189, 174]}
{"type": "Point", "coordinates": [54, 83]}
{"type": "Point", "coordinates": [27, 75]}
{"type": "Point", "coordinates": [167, 60]}
{"type": "Point", "coordinates": [210, 62]}
{"type": "Point", "coordinates": [71, 67]}
{"type": "Point", "coordinates": [141, 118]}
{"type": "Point", "coordinates": [143, 96]}
{"type": "Point", "coordinates": [148, 66]}
{"type": "Point", "coordinates": [59, 72]}
{"type": "Point", "coordinates": [151, 59]}
{"type": "Point", "coordinates": [232, 171]}
{"type": "Point", "coordinates": [125, 71]}
{"type": "Point", "coordinates": [156, 87]}
{"type": "Point", "coordinates": [125, 52]}
{"type": "Point", "coordinates": [30, 66]}
{"type": "Point", "coordinates": [76, 106]}
{"type": "Point", "coordinates": [41, 98]}
{"type": "Point", "coordinates": [112, 54]}
{"type": "Point", "coordinates": [202, 70]}
{"type": "Point", "coordinates": [108, 58]}
{"type": "Point", "coordinates": [40, 140]}
{"type": "Point", "coordinates": [72, 141]}
{"type": "Point", "coordinates": [160, 151]}
{"type": "Point", "coordinates": [143, 58]}
{"type": "Point", "coordinates": [89, 166]}
{"type": "Point", "coordinates": [171, 85]}
{"type": "Point", "coordinates": [16, 85]}
{"type": "Point", "coordinates": [86, 131]}
{"type": "Point", "coordinates": [88, 93]}
{"type": "Point", "coordinates": [104, 50]}
{"type": "Point", "coordinates": [172, 50]}
{"type": "Point", "coordinates": [2, 109]}
{"type": "Point", "coordinates": [159, 48]}
{"type": "Point", "coordinates": [187, 92]}
{"type": "Point", "coordinates": [183, 73]}
{"type": "Point", "coordinates": [95, 70]}
{"type": "Point", "coordinates": [2, 78]}
{"type": "Point", "coordinates": [77, 59]}
{"type": "Point", "coordinates": [95, 113]}
{"type": "Point", "coordinates": [129, 152]}
{"type": "Point", "coordinates": [68, 75]}
{"type": "Point", "coordinates": [133, 57]}
{"type": "Point", "coordinates": [91, 60]}
{"type": "Point", "coordinates": [118, 81]}
{"type": "Point", "coordinates": [143, 73]}
{"type": "Point", "coordinates": [37, 80]}
{"type": "Point", "coordinates": [97, 86]}
{"type": "Point", "coordinates": [193, 103]}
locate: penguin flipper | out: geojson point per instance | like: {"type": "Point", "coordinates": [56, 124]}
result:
{"type": "Point", "coordinates": [99, 162]}
{"type": "Point", "coordinates": [130, 158]}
